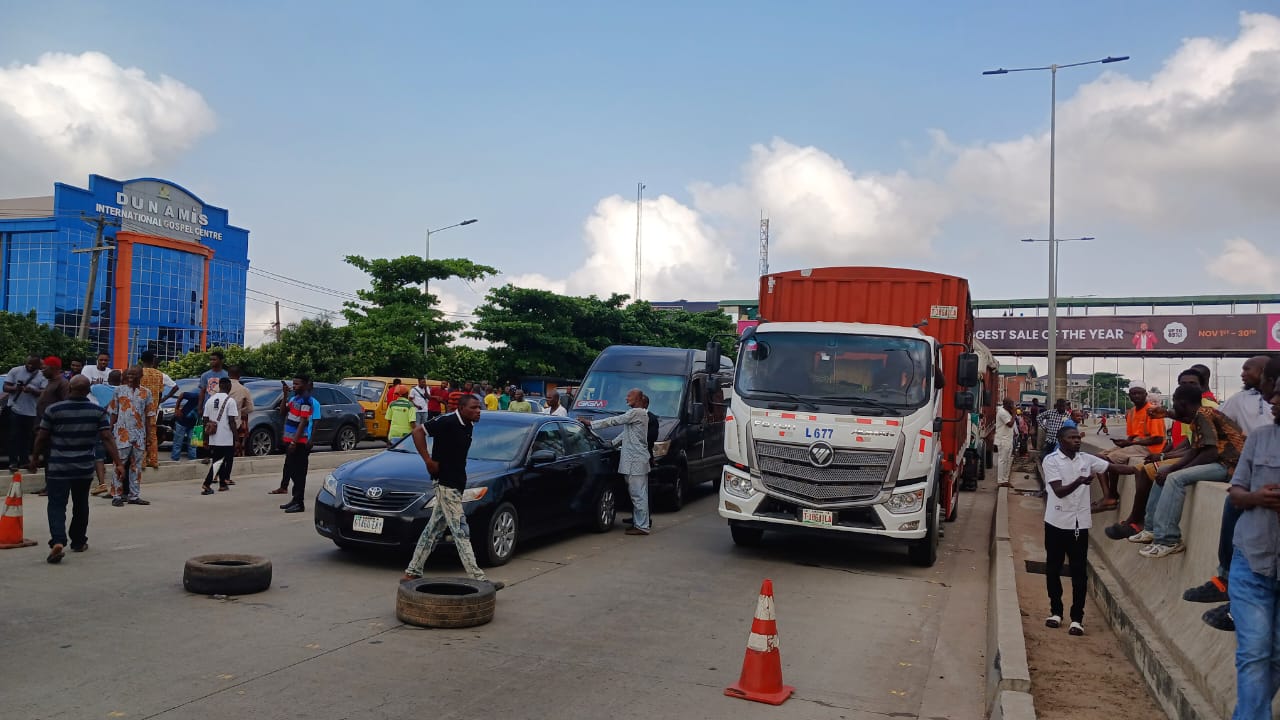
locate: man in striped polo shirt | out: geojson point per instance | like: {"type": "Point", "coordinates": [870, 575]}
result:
{"type": "Point", "coordinates": [68, 434]}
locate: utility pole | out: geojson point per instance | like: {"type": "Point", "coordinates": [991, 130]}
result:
{"type": "Point", "coordinates": [277, 321]}
{"type": "Point", "coordinates": [639, 216]}
{"type": "Point", "coordinates": [101, 222]}
{"type": "Point", "coordinates": [764, 244]}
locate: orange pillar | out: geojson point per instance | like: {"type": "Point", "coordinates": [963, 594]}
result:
{"type": "Point", "coordinates": [123, 290]}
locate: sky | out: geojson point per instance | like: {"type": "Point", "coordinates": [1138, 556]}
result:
{"type": "Point", "coordinates": [864, 131]}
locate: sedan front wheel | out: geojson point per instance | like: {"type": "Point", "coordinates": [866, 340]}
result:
{"type": "Point", "coordinates": [497, 542]}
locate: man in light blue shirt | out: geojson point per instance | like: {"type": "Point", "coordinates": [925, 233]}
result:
{"type": "Point", "coordinates": [634, 463]}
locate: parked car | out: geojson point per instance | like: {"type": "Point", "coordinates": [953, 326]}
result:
{"type": "Point", "coordinates": [527, 475]}
{"type": "Point", "coordinates": [372, 394]}
{"type": "Point", "coordinates": [164, 423]}
{"type": "Point", "coordinates": [340, 425]}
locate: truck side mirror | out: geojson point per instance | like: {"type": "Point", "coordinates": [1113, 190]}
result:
{"type": "Point", "coordinates": [713, 358]}
{"type": "Point", "coordinates": [697, 413]}
{"type": "Point", "coordinates": [967, 370]}
{"type": "Point", "coordinates": [965, 400]}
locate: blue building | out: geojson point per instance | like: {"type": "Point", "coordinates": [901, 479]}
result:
{"type": "Point", "coordinates": [172, 278]}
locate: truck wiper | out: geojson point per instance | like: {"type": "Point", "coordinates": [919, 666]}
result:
{"type": "Point", "coordinates": [868, 402]}
{"type": "Point", "coordinates": [794, 398]}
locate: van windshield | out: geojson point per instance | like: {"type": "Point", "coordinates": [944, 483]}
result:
{"type": "Point", "coordinates": [837, 369]}
{"type": "Point", "coordinates": [606, 391]}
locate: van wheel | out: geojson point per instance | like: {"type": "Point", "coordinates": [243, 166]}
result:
{"type": "Point", "coordinates": [675, 496]}
{"type": "Point", "coordinates": [924, 552]}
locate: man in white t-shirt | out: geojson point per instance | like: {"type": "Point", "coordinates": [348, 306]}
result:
{"type": "Point", "coordinates": [220, 416]}
{"type": "Point", "coordinates": [99, 372]}
{"type": "Point", "coordinates": [420, 396]}
{"type": "Point", "coordinates": [1004, 441]}
{"type": "Point", "coordinates": [553, 405]}
{"type": "Point", "coordinates": [1067, 519]}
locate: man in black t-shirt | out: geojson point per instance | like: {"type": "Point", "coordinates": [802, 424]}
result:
{"type": "Point", "coordinates": [447, 464]}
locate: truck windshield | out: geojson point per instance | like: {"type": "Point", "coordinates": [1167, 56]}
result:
{"type": "Point", "coordinates": [836, 369]}
{"type": "Point", "coordinates": [606, 391]}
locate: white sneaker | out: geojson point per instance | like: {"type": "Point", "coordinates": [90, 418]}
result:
{"type": "Point", "coordinates": [1155, 551]}
{"type": "Point", "coordinates": [1053, 621]}
{"type": "Point", "coordinates": [1142, 538]}
{"type": "Point", "coordinates": [1076, 629]}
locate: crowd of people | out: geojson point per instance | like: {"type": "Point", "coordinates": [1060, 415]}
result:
{"type": "Point", "coordinates": [1235, 442]}
{"type": "Point", "coordinates": [411, 406]}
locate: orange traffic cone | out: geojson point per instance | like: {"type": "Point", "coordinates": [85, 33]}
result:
{"type": "Point", "coordinates": [761, 678]}
{"type": "Point", "coordinates": [11, 519]}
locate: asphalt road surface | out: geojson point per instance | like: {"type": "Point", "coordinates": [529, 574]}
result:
{"type": "Point", "coordinates": [589, 626]}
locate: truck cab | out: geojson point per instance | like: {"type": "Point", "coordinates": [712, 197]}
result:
{"type": "Point", "coordinates": [688, 400]}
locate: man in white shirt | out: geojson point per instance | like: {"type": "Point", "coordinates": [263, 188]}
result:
{"type": "Point", "coordinates": [553, 405]}
{"type": "Point", "coordinates": [1004, 441]}
{"type": "Point", "coordinates": [220, 417]}
{"type": "Point", "coordinates": [1067, 519]}
{"type": "Point", "coordinates": [100, 372]}
{"type": "Point", "coordinates": [420, 396]}
{"type": "Point", "coordinates": [1248, 408]}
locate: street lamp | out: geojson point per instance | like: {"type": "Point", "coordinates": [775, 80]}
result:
{"type": "Point", "coordinates": [426, 340]}
{"type": "Point", "coordinates": [1053, 246]}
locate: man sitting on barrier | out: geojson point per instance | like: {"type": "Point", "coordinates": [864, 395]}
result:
{"type": "Point", "coordinates": [1214, 449]}
{"type": "Point", "coordinates": [1144, 437]}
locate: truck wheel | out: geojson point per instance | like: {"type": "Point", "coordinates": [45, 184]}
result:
{"type": "Point", "coordinates": [445, 602]}
{"type": "Point", "coordinates": [955, 508]}
{"type": "Point", "coordinates": [746, 536]}
{"type": "Point", "coordinates": [924, 552]}
{"type": "Point", "coordinates": [226, 574]}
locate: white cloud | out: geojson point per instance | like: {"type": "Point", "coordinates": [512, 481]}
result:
{"type": "Point", "coordinates": [1242, 265]}
{"type": "Point", "coordinates": [67, 116]}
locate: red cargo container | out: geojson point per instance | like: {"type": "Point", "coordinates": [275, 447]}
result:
{"type": "Point", "coordinates": [885, 296]}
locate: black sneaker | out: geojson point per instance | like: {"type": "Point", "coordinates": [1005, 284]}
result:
{"type": "Point", "coordinates": [1220, 618]}
{"type": "Point", "coordinates": [117, 502]}
{"type": "Point", "coordinates": [497, 584]}
{"type": "Point", "coordinates": [1122, 531]}
{"type": "Point", "coordinates": [80, 548]}
{"type": "Point", "coordinates": [206, 490]}
{"type": "Point", "coordinates": [297, 508]}
{"type": "Point", "coordinates": [1213, 591]}
{"type": "Point", "coordinates": [139, 501]}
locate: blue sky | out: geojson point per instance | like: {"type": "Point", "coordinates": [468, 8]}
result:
{"type": "Point", "coordinates": [343, 127]}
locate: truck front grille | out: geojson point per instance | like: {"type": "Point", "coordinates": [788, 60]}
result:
{"type": "Point", "coordinates": [853, 476]}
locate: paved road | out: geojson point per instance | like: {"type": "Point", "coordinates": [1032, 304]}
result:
{"type": "Point", "coordinates": [590, 626]}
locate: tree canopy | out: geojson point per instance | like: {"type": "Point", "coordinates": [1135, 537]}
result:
{"type": "Point", "coordinates": [21, 335]}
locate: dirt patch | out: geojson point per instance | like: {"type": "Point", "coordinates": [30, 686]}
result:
{"type": "Point", "coordinates": [1072, 678]}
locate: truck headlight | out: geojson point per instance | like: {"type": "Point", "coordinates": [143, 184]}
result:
{"type": "Point", "coordinates": [331, 484]}
{"type": "Point", "coordinates": [907, 502]}
{"type": "Point", "coordinates": [737, 485]}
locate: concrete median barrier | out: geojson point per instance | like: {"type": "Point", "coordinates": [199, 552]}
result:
{"type": "Point", "coordinates": [1008, 674]}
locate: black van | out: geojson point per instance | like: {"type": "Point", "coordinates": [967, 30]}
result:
{"type": "Point", "coordinates": [689, 403]}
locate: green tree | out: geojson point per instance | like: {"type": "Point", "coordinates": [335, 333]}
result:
{"type": "Point", "coordinates": [197, 361]}
{"type": "Point", "coordinates": [1104, 390]}
{"type": "Point", "coordinates": [21, 335]}
{"type": "Point", "coordinates": [459, 363]}
{"type": "Point", "coordinates": [313, 347]}
{"type": "Point", "coordinates": [393, 315]}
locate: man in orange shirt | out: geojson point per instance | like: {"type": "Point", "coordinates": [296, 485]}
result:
{"type": "Point", "coordinates": [1144, 437]}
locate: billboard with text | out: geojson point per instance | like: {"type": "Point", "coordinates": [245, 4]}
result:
{"type": "Point", "coordinates": [1132, 334]}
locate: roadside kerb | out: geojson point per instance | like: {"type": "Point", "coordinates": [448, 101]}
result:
{"type": "Point", "coordinates": [1008, 674]}
{"type": "Point", "coordinates": [194, 471]}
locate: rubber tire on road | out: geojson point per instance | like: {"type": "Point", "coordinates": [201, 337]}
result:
{"type": "Point", "coordinates": [924, 552]}
{"type": "Point", "coordinates": [674, 500]}
{"type": "Point", "coordinates": [260, 438]}
{"type": "Point", "coordinates": [955, 510]}
{"type": "Point", "coordinates": [746, 536]}
{"type": "Point", "coordinates": [227, 574]}
{"type": "Point", "coordinates": [608, 497]}
{"type": "Point", "coordinates": [482, 542]}
{"type": "Point", "coordinates": [346, 435]}
{"type": "Point", "coordinates": [445, 602]}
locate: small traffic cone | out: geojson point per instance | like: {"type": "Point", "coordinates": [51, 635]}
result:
{"type": "Point", "coordinates": [761, 678]}
{"type": "Point", "coordinates": [11, 518]}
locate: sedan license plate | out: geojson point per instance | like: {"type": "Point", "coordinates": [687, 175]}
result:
{"type": "Point", "coordinates": [816, 517]}
{"type": "Point", "coordinates": [372, 525]}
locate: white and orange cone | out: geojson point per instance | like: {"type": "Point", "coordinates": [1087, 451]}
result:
{"type": "Point", "coordinates": [11, 518]}
{"type": "Point", "coordinates": [761, 679]}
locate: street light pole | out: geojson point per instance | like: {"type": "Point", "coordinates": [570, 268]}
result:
{"type": "Point", "coordinates": [426, 282]}
{"type": "Point", "coordinates": [1053, 243]}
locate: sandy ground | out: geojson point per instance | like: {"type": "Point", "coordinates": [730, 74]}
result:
{"type": "Point", "coordinates": [1072, 678]}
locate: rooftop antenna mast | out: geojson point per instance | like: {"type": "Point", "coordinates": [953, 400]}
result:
{"type": "Point", "coordinates": [764, 244]}
{"type": "Point", "coordinates": [639, 217]}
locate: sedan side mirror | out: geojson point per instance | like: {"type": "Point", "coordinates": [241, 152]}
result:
{"type": "Point", "coordinates": [542, 457]}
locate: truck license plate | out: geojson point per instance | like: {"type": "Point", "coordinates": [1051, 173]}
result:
{"type": "Point", "coordinates": [372, 525]}
{"type": "Point", "coordinates": [816, 517]}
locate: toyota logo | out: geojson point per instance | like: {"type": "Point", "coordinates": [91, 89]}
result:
{"type": "Point", "coordinates": [821, 454]}
{"type": "Point", "coordinates": [373, 493]}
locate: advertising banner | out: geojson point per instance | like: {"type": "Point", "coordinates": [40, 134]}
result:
{"type": "Point", "coordinates": [1135, 334]}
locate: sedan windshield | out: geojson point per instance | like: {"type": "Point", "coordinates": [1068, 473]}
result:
{"type": "Point", "coordinates": [491, 440]}
{"type": "Point", "coordinates": [607, 392]}
{"type": "Point", "coordinates": [834, 368]}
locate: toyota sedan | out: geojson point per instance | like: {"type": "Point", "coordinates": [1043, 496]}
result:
{"type": "Point", "coordinates": [527, 475]}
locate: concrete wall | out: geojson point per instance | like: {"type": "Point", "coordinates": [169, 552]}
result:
{"type": "Point", "coordinates": [1189, 666]}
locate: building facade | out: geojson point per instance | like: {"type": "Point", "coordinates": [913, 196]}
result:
{"type": "Point", "coordinates": [170, 277]}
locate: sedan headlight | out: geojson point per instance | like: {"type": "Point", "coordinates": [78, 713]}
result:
{"type": "Point", "coordinates": [468, 495]}
{"type": "Point", "coordinates": [737, 485]}
{"type": "Point", "coordinates": [906, 502]}
{"type": "Point", "coordinates": [331, 484]}
{"type": "Point", "coordinates": [660, 449]}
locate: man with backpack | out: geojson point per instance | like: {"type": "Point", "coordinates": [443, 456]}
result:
{"type": "Point", "coordinates": [636, 455]}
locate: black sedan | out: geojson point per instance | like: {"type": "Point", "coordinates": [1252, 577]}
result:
{"type": "Point", "coordinates": [527, 475]}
